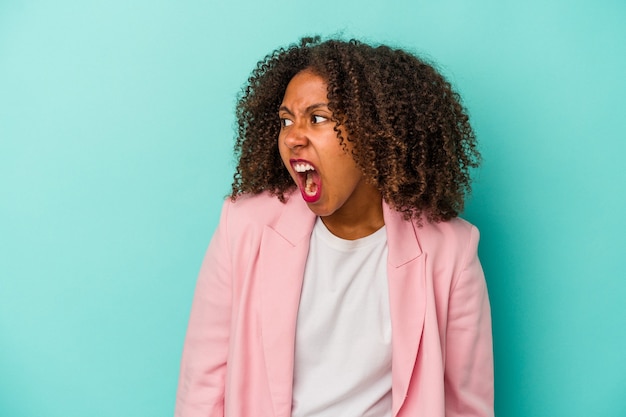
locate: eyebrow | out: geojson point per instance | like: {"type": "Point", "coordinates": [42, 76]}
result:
{"type": "Point", "coordinates": [307, 110]}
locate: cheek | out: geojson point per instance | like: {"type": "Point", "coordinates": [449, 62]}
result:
{"type": "Point", "coordinates": [351, 174]}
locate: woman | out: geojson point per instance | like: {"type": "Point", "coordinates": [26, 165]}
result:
{"type": "Point", "coordinates": [340, 281]}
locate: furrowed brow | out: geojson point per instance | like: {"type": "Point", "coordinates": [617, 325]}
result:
{"type": "Point", "coordinates": [285, 109]}
{"type": "Point", "coordinates": [309, 109]}
{"type": "Point", "coordinates": [315, 106]}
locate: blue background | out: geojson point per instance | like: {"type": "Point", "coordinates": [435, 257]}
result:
{"type": "Point", "coordinates": [116, 128]}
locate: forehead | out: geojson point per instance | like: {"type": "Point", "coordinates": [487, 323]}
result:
{"type": "Point", "coordinates": [304, 88]}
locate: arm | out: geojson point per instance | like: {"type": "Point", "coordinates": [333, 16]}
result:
{"type": "Point", "coordinates": [203, 366]}
{"type": "Point", "coordinates": [469, 352]}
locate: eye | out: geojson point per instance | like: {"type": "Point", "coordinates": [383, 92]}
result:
{"type": "Point", "coordinates": [285, 122]}
{"type": "Point", "coordinates": [318, 119]}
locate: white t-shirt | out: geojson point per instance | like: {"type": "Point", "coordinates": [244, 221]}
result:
{"type": "Point", "coordinates": [343, 335]}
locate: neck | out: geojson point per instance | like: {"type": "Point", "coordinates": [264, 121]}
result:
{"type": "Point", "coordinates": [357, 222]}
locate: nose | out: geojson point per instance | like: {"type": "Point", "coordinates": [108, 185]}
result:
{"type": "Point", "coordinates": [295, 137]}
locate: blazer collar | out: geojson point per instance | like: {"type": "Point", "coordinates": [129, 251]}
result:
{"type": "Point", "coordinates": [296, 220]}
{"type": "Point", "coordinates": [296, 223]}
{"type": "Point", "coordinates": [401, 237]}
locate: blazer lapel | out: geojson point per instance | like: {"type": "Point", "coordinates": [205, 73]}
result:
{"type": "Point", "coordinates": [282, 258]}
{"type": "Point", "coordinates": [407, 295]}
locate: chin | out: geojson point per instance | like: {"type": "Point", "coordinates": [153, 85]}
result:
{"type": "Point", "coordinates": [320, 210]}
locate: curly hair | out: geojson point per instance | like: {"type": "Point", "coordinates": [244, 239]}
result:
{"type": "Point", "coordinates": [411, 134]}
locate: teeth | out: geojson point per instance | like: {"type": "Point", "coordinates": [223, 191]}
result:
{"type": "Point", "coordinates": [303, 167]}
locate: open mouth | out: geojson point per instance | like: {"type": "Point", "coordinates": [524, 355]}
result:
{"type": "Point", "coordinates": [308, 180]}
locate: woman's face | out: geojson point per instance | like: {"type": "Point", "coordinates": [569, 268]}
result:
{"type": "Point", "coordinates": [327, 176]}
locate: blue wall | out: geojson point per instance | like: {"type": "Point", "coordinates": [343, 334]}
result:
{"type": "Point", "coordinates": [116, 127]}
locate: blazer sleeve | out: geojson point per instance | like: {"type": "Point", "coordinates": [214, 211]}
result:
{"type": "Point", "coordinates": [203, 366]}
{"type": "Point", "coordinates": [469, 350]}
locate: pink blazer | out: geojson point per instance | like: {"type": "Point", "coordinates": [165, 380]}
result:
{"type": "Point", "coordinates": [239, 350]}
